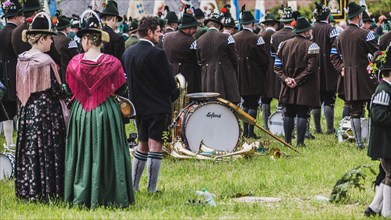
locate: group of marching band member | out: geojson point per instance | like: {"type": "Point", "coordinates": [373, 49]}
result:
{"type": "Point", "coordinates": [81, 155]}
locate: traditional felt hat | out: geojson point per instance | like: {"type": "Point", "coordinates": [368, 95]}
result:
{"type": "Point", "coordinates": [287, 15]}
{"type": "Point", "coordinates": [198, 13]}
{"type": "Point", "coordinates": [321, 11]}
{"type": "Point", "coordinates": [75, 21]}
{"type": "Point", "coordinates": [247, 18]}
{"type": "Point", "coordinates": [216, 18]}
{"type": "Point", "coordinates": [227, 19]}
{"type": "Point", "coordinates": [171, 17]}
{"type": "Point", "coordinates": [41, 24]}
{"type": "Point", "coordinates": [269, 18]}
{"type": "Point", "coordinates": [111, 10]}
{"type": "Point", "coordinates": [354, 9]}
{"type": "Point", "coordinates": [31, 5]}
{"type": "Point", "coordinates": [90, 23]}
{"type": "Point", "coordinates": [63, 22]}
{"type": "Point", "coordinates": [365, 17]}
{"type": "Point", "coordinates": [11, 8]}
{"type": "Point", "coordinates": [162, 22]}
{"type": "Point", "coordinates": [133, 25]}
{"type": "Point", "coordinates": [188, 21]}
{"type": "Point", "coordinates": [302, 24]}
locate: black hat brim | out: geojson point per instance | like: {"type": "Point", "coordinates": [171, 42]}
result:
{"type": "Point", "coordinates": [111, 14]}
{"type": "Point", "coordinates": [37, 31]}
{"type": "Point", "coordinates": [285, 20]}
{"type": "Point", "coordinates": [247, 22]}
{"type": "Point", "coordinates": [63, 26]}
{"type": "Point", "coordinates": [81, 32]}
{"type": "Point", "coordinates": [269, 21]}
{"type": "Point", "coordinates": [215, 20]}
{"type": "Point", "coordinates": [194, 24]}
{"type": "Point", "coordinates": [30, 9]}
{"type": "Point", "coordinates": [298, 31]}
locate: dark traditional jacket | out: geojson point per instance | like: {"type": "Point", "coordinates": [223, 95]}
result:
{"type": "Point", "coordinates": [354, 44]}
{"type": "Point", "coordinates": [67, 48]}
{"type": "Point", "coordinates": [384, 41]}
{"type": "Point", "coordinates": [275, 40]}
{"type": "Point", "coordinates": [324, 36]}
{"type": "Point", "coordinates": [20, 46]}
{"type": "Point", "coordinates": [116, 46]}
{"type": "Point", "coordinates": [8, 60]}
{"type": "Point", "coordinates": [379, 145]}
{"type": "Point", "coordinates": [216, 52]}
{"type": "Point", "coordinates": [253, 63]}
{"type": "Point", "coordinates": [297, 58]}
{"type": "Point", "coordinates": [151, 84]}
{"type": "Point", "coordinates": [183, 59]}
{"type": "Point", "coordinates": [337, 64]}
{"type": "Point", "coordinates": [273, 83]}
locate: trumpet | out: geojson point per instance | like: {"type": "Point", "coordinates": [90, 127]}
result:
{"type": "Point", "coordinates": [275, 153]}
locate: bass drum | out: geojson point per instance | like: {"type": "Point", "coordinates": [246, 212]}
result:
{"type": "Point", "coordinates": [6, 166]}
{"type": "Point", "coordinates": [210, 123]}
{"type": "Point", "coordinates": [276, 125]}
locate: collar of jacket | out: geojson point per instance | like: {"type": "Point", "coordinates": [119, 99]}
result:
{"type": "Point", "coordinates": [212, 29]}
{"type": "Point", "coordinates": [270, 28]}
{"type": "Point", "coordinates": [145, 40]}
{"type": "Point", "coordinates": [248, 29]}
{"type": "Point", "coordinates": [11, 24]}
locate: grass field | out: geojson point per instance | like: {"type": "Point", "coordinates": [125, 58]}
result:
{"type": "Point", "coordinates": [296, 179]}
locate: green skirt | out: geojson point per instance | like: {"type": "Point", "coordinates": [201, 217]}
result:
{"type": "Point", "coordinates": [97, 160]}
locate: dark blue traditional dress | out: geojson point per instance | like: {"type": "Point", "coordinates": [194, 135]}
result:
{"type": "Point", "coordinates": [39, 173]}
{"type": "Point", "coordinates": [98, 169]}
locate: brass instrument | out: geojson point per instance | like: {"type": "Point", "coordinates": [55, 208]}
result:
{"type": "Point", "coordinates": [275, 153]}
{"type": "Point", "coordinates": [180, 103]}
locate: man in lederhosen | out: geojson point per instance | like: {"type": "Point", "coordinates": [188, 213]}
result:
{"type": "Point", "coordinates": [67, 47]}
{"type": "Point", "coordinates": [8, 60]}
{"type": "Point", "coordinates": [253, 64]}
{"type": "Point", "coordinates": [111, 17]}
{"type": "Point", "coordinates": [354, 44]}
{"type": "Point", "coordinates": [217, 55]}
{"type": "Point", "coordinates": [272, 91]}
{"type": "Point", "coordinates": [183, 59]}
{"type": "Point", "coordinates": [325, 35]}
{"type": "Point", "coordinates": [296, 65]}
{"type": "Point", "coordinates": [30, 9]}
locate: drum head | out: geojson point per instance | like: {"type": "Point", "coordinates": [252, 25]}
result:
{"type": "Point", "coordinates": [213, 124]}
{"type": "Point", "coordinates": [6, 166]}
{"type": "Point", "coordinates": [276, 125]}
{"type": "Point", "coordinates": [203, 96]}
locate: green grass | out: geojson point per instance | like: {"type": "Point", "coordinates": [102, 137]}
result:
{"type": "Point", "coordinates": [296, 179]}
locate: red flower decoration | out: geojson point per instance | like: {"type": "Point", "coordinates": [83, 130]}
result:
{"type": "Point", "coordinates": [224, 10]}
{"type": "Point", "coordinates": [29, 20]}
{"type": "Point", "coordinates": [381, 53]}
{"type": "Point", "coordinates": [293, 23]}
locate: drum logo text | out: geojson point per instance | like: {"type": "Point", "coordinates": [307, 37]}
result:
{"type": "Point", "coordinates": [213, 115]}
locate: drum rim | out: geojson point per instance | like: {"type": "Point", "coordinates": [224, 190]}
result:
{"type": "Point", "coordinates": [206, 103]}
{"type": "Point", "coordinates": [11, 158]}
{"type": "Point", "coordinates": [202, 95]}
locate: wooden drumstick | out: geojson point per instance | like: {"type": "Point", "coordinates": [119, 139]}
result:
{"type": "Point", "coordinates": [250, 120]}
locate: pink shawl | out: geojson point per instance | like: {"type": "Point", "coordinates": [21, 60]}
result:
{"type": "Point", "coordinates": [93, 82]}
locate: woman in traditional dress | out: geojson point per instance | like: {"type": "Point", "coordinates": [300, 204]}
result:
{"type": "Point", "coordinates": [39, 173]}
{"type": "Point", "coordinates": [98, 168]}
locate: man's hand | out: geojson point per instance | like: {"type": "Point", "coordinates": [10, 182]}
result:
{"type": "Point", "coordinates": [343, 72]}
{"type": "Point", "coordinates": [290, 82]}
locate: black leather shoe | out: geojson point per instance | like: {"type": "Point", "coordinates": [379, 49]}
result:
{"type": "Point", "coordinates": [369, 212]}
